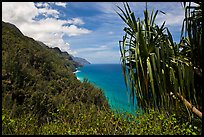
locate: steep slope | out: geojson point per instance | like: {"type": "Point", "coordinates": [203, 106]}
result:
{"type": "Point", "coordinates": [12, 28]}
{"type": "Point", "coordinates": [65, 56]}
{"type": "Point", "coordinates": [38, 80]}
{"type": "Point", "coordinates": [76, 61]}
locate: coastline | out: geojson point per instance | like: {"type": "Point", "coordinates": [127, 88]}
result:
{"type": "Point", "coordinates": [117, 98]}
{"type": "Point", "coordinates": [75, 73]}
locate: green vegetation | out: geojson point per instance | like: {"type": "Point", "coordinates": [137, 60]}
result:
{"type": "Point", "coordinates": [160, 72]}
{"type": "Point", "coordinates": [41, 96]}
{"type": "Point", "coordinates": [37, 80]}
{"type": "Point", "coordinates": [77, 119]}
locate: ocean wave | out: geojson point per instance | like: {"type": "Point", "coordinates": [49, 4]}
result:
{"type": "Point", "coordinates": [80, 79]}
{"type": "Point", "coordinates": [76, 71]}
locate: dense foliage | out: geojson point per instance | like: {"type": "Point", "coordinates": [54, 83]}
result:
{"type": "Point", "coordinates": [155, 67]}
{"type": "Point", "coordinates": [41, 95]}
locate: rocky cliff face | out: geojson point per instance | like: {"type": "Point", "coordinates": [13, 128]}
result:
{"type": "Point", "coordinates": [77, 61]}
{"type": "Point", "coordinates": [81, 61]}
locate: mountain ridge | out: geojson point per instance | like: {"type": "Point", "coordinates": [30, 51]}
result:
{"type": "Point", "coordinates": [76, 61]}
{"type": "Point", "coordinates": [39, 87]}
{"type": "Point", "coordinates": [80, 60]}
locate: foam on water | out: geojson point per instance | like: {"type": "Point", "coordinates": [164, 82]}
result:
{"type": "Point", "coordinates": [76, 71]}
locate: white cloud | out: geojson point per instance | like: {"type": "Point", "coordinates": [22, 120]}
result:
{"type": "Point", "coordinates": [49, 29]}
{"type": "Point", "coordinates": [55, 40]}
{"type": "Point", "coordinates": [49, 12]}
{"type": "Point", "coordinates": [47, 4]}
{"type": "Point", "coordinates": [42, 4]}
{"type": "Point", "coordinates": [62, 4]}
{"type": "Point", "coordinates": [50, 25]}
{"type": "Point", "coordinates": [73, 30]}
{"type": "Point", "coordinates": [76, 21]}
{"type": "Point", "coordinates": [18, 12]}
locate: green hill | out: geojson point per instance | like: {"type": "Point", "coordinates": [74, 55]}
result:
{"type": "Point", "coordinates": [38, 79]}
{"type": "Point", "coordinates": [41, 95]}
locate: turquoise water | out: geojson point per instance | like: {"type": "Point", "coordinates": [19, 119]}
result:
{"type": "Point", "coordinates": [110, 79]}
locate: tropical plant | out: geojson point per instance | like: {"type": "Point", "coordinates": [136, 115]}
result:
{"type": "Point", "coordinates": [154, 67]}
{"type": "Point", "coordinates": [191, 43]}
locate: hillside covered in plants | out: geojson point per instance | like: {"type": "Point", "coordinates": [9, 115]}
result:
{"type": "Point", "coordinates": [41, 95]}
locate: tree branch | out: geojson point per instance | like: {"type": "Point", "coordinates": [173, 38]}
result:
{"type": "Point", "coordinates": [189, 105]}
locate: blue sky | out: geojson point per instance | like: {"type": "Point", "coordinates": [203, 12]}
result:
{"type": "Point", "coordinates": [90, 30]}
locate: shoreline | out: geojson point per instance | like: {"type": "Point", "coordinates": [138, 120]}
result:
{"type": "Point", "coordinates": [114, 102]}
{"type": "Point", "coordinates": [75, 73]}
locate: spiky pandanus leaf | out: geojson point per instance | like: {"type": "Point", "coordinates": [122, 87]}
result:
{"type": "Point", "coordinates": [156, 65]}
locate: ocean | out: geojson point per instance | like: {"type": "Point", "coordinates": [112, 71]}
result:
{"type": "Point", "coordinates": [109, 78]}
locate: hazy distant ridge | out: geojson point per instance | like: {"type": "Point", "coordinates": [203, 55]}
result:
{"type": "Point", "coordinates": [81, 61]}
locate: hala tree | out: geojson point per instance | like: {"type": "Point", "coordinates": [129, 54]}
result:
{"type": "Point", "coordinates": [155, 67]}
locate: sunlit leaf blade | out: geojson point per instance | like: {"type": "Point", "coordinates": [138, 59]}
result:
{"type": "Point", "coordinates": [158, 66]}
